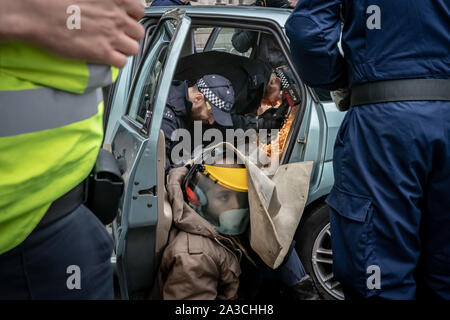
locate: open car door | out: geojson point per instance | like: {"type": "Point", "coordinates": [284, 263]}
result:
{"type": "Point", "coordinates": [135, 145]}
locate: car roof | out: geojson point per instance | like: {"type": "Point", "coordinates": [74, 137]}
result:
{"type": "Point", "coordinates": [276, 14]}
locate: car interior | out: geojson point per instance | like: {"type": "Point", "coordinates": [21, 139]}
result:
{"type": "Point", "coordinates": [207, 49]}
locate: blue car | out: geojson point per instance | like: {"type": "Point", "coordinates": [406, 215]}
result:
{"type": "Point", "coordinates": [136, 104]}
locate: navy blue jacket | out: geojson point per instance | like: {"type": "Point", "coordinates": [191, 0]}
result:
{"type": "Point", "coordinates": [413, 41]}
{"type": "Point", "coordinates": [176, 116]}
{"type": "Point", "coordinates": [169, 3]}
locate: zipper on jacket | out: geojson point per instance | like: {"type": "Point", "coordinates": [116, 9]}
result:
{"type": "Point", "coordinates": [234, 255]}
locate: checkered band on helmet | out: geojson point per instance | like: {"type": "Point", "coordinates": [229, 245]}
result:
{"type": "Point", "coordinates": [284, 81]}
{"type": "Point", "coordinates": [212, 97]}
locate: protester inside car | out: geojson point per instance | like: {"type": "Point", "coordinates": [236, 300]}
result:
{"type": "Point", "coordinates": [208, 255]}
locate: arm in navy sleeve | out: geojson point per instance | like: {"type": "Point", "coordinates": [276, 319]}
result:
{"type": "Point", "coordinates": [244, 121]}
{"type": "Point", "coordinates": [168, 127]}
{"type": "Point", "coordinates": [314, 29]}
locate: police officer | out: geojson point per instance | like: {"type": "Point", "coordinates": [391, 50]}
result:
{"type": "Point", "coordinates": [209, 100]}
{"type": "Point", "coordinates": [252, 82]}
{"type": "Point", "coordinates": [272, 118]}
{"type": "Point", "coordinates": [390, 209]}
{"type": "Point", "coordinates": [51, 245]}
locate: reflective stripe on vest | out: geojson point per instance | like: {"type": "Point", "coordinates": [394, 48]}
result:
{"type": "Point", "coordinates": [33, 110]}
{"type": "Point", "coordinates": [99, 76]}
{"type": "Point", "coordinates": [50, 132]}
{"type": "Point", "coordinates": [38, 167]}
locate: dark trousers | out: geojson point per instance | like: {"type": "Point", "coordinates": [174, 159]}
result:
{"type": "Point", "coordinates": [68, 259]}
{"type": "Point", "coordinates": [290, 272]}
{"type": "Point", "coordinates": [390, 205]}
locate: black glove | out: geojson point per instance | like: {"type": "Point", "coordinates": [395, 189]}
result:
{"type": "Point", "coordinates": [273, 118]}
{"type": "Point", "coordinates": [273, 3]}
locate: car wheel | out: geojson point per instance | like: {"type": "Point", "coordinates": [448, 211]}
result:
{"type": "Point", "coordinates": [313, 245]}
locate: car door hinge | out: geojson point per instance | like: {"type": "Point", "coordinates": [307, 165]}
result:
{"type": "Point", "coordinates": [147, 119]}
{"type": "Point", "coordinates": [302, 140]}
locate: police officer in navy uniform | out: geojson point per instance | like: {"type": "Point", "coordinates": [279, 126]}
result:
{"type": "Point", "coordinates": [210, 100]}
{"type": "Point", "coordinates": [390, 204]}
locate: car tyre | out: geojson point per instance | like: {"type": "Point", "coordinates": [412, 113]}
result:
{"type": "Point", "coordinates": [313, 245]}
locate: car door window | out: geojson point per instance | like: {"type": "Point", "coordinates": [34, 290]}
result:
{"type": "Point", "coordinates": [217, 39]}
{"type": "Point", "coordinates": [143, 95]}
{"type": "Point", "coordinates": [201, 36]}
{"type": "Point", "coordinates": [149, 29]}
{"type": "Point", "coordinates": [119, 97]}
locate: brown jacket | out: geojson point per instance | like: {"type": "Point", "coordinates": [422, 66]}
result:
{"type": "Point", "coordinates": [198, 263]}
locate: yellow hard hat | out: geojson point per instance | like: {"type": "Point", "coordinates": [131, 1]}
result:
{"type": "Point", "coordinates": [231, 178]}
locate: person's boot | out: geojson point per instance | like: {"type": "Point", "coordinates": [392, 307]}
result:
{"type": "Point", "coordinates": [305, 290]}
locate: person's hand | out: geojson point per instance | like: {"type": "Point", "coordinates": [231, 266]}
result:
{"type": "Point", "coordinates": [282, 110]}
{"type": "Point", "coordinates": [341, 97]}
{"type": "Point", "coordinates": [273, 118]}
{"type": "Point", "coordinates": [108, 33]}
{"type": "Point", "coordinates": [292, 3]}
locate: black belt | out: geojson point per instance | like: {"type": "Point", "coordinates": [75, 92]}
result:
{"type": "Point", "coordinates": [400, 90]}
{"type": "Point", "coordinates": [63, 206]}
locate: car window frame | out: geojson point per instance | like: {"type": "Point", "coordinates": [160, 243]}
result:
{"type": "Point", "coordinates": [212, 39]}
{"type": "Point", "coordinates": [136, 125]}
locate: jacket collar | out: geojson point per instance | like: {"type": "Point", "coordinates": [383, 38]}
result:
{"type": "Point", "coordinates": [178, 99]}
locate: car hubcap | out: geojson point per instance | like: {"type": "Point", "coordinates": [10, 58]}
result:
{"type": "Point", "coordinates": [322, 261]}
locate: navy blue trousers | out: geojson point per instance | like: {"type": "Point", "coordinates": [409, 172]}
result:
{"type": "Point", "coordinates": [68, 259]}
{"type": "Point", "coordinates": [291, 270]}
{"type": "Point", "coordinates": [390, 205]}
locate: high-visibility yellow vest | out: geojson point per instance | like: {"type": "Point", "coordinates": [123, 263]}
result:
{"type": "Point", "coordinates": [50, 132]}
